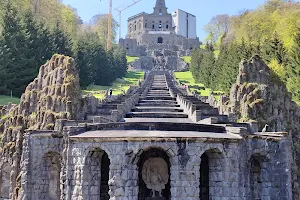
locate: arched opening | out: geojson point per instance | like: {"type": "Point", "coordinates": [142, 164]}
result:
{"type": "Point", "coordinates": [96, 175]}
{"type": "Point", "coordinates": [160, 12]}
{"type": "Point", "coordinates": [154, 175]}
{"type": "Point", "coordinates": [52, 168]}
{"type": "Point", "coordinates": [204, 177]}
{"type": "Point", "coordinates": [5, 181]}
{"type": "Point", "coordinates": [211, 174]}
{"type": "Point", "coordinates": [255, 178]}
{"type": "Point", "coordinates": [159, 40]}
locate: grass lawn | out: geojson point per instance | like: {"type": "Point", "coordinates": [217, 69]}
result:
{"type": "Point", "coordinates": [131, 78]}
{"type": "Point", "coordinates": [131, 59]}
{"type": "Point", "coordinates": [6, 100]}
{"type": "Point", "coordinates": [187, 79]}
{"type": "Point", "coordinates": [187, 59]}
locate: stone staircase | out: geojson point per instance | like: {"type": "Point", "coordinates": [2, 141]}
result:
{"type": "Point", "coordinates": [157, 105]}
{"type": "Point", "coordinates": [104, 110]}
{"type": "Point", "coordinates": [207, 111]}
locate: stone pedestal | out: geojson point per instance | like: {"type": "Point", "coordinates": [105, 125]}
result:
{"type": "Point", "coordinates": [155, 198]}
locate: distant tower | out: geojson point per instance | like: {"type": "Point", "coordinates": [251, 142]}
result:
{"type": "Point", "coordinates": [160, 8]}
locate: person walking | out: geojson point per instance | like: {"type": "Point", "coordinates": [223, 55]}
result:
{"type": "Point", "coordinates": [110, 93]}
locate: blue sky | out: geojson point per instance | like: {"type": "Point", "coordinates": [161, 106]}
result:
{"type": "Point", "coordinates": [204, 10]}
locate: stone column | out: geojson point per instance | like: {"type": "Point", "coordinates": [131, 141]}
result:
{"type": "Point", "coordinates": [119, 173]}
{"type": "Point", "coordinates": [185, 179]}
{"type": "Point", "coordinates": [76, 172]}
{"type": "Point", "coordinates": [25, 169]}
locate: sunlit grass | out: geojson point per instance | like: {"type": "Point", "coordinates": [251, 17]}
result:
{"type": "Point", "coordinates": [187, 59]}
{"type": "Point", "coordinates": [187, 78]}
{"type": "Point", "coordinates": [118, 86]}
{"type": "Point", "coordinates": [131, 59]}
{"type": "Point", "coordinates": [4, 100]}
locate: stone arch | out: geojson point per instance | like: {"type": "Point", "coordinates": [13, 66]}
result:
{"type": "Point", "coordinates": [212, 168]}
{"type": "Point", "coordinates": [161, 158]}
{"type": "Point", "coordinates": [256, 177]}
{"type": "Point", "coordinates": [159, 40]}
{"type": "Point", "coordinates": [96, 175]}
{"type": "Point", "coordinates": [163, 147]}
{"type": "Point", "coordinates": [5, 181]}
{"type": "Point", "coordinates": [51, 169]}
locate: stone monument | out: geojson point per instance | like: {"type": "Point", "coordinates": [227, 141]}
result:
{"type": "Point", "coordinates": [155, 175]}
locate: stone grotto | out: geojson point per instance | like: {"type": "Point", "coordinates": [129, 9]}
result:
{"type": "Point", "coordinates": [154, 142]}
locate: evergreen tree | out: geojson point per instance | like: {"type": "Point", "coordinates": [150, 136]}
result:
{"type": "Point", "coordinates": [274, 49]}
{"type": "Point", "coordinates": [62, 43]}
{"type": "Point", "coordinates": [293, 69]}
{"type": "Point", "coordinates": [245, 49]}
{"type": "Point", "coordinates": [197, 57]}
{"type": "Point", "coordinates": [207, 72]}
{"type": "Point", "coordinates": [86, 55]}
{"type": "Point", "coordinates": [120, 62]}
{"type": "Point", "coordinates": [15, 47]}
{"type": "Point", "coordinates": [232, 59]}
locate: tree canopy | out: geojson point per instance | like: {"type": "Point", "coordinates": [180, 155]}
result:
{"type": "Point", "coordinates": [271, 31]}
{"type": "Point", "coordinates": [33, 30]}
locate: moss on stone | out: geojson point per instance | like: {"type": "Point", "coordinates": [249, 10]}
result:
{"type": "Point", "coordinates": [50, 126]}
{"type": "Point", "coordinates": [257, 101]}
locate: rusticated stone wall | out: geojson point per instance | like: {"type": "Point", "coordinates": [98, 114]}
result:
{"type": "Point", "coordinates": [230, 165]}
{"type": "Point", "coordinates": [259, 96]}
{"type": "Point", "coordinates": [54, 94]}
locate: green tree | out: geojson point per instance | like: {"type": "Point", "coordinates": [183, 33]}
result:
{"type": "Point", "coordinates": [274, 49]}
{"type": "Point", "coordinates": [99, 24]}
{"type": "Point", "coordinates": [197, 57]}
{"type": "Point", "coordinates": [62, 42]}
{"type": "Point", "coordinates": [207, 72]}
{"type": "Point", "coordinates": [293, 69]}
{"type": "Point", "coordinates": [15, 47]}
{"type": "Point", "coordinates": [88, 52]}
{"type": "Point", "coordinates": [227, 66]}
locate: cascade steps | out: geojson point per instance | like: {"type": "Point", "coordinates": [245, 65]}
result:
{"type": "Point", "coordinates": [157, 105]}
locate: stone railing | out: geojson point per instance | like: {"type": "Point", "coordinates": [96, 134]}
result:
{"type": "Point", "coordinates": [124, 108]}
{"type": "Point", "coordinates": [189, 108]}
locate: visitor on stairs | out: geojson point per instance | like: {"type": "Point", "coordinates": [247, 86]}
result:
{"type": "Point", "coordinates": [110, 93]}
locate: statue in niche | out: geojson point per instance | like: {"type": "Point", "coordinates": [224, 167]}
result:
{"type": "Point", "coordinates": [155, 174]}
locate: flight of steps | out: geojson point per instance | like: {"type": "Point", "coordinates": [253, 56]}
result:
{"type": "Point", "coordinates": [157, 105]}
{"type": "Point", "coordinates": [207, 111]}
{"type": "Point", "coordinates": [104, 110]}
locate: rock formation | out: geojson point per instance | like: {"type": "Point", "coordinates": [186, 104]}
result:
{"type": "Point", "coordinates": [258, 95]}
{"type": "Point", "coordinates": [54, 94]}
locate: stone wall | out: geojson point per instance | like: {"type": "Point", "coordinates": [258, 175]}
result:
{"type": "Point", "coordinates": [54, 94]}
{"type": "Point", "coordinates": [229, 163]}
{"type": "Point", "coordinates": [182, 46]}
{"type": "Point", "coordinates": [41, 166]}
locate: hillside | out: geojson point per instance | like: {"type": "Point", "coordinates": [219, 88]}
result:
{"type": "Point", "coordinates": [118, 86]}
{"type": "Point", "coordinates": [271, 31]}
{"type": "Point", "coordinates": [186, 78]}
